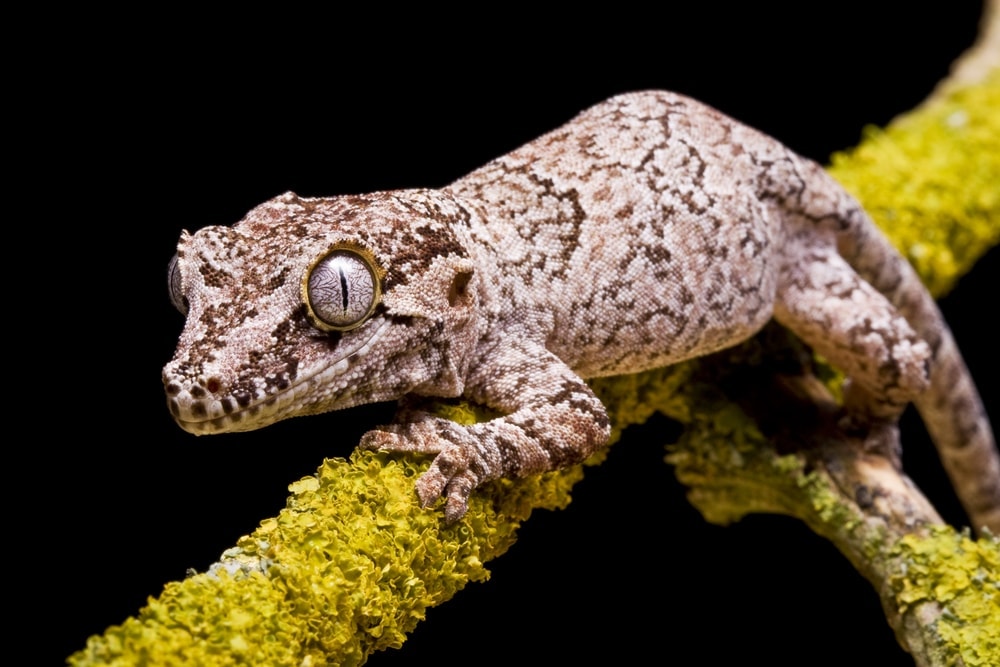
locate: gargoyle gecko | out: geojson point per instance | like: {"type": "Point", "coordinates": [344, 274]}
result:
{"type": "Point", "coordinates": [648, 230]}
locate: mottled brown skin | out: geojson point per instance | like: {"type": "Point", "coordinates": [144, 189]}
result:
{"type": "Point", "coordinates": [648, 230]}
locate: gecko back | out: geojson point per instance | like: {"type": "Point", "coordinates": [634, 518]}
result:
{"type": "Point", "coordinates": [680, 231]}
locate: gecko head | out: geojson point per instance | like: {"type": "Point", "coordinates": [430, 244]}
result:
{"type": "Point", "coordinates": [311, 305]}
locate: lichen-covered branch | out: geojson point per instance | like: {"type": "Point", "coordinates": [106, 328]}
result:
{"type": "Point", "coordinates": [766, 441]}
{"type": "Point", "coordinates": [347, 568]}
{"type": "Point", "coordinates": [352, 563]}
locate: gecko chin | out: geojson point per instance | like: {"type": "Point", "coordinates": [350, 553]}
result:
{"type": "Point", "coordinates": [201, 413]}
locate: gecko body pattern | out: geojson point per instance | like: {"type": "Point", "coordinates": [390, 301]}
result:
{"type": "Point", "coordinates": [648, 230]}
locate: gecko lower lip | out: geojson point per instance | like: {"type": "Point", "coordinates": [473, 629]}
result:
{"type": "Point", "coordinates": [275, 407]}
{"type": "Point", "coordinates": [204, 427]}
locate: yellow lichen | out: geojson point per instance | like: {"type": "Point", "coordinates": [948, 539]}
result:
{"type": "Point", "coordinates": [961, 575]}
{"type": "Point", "coordinates": [946, 214]}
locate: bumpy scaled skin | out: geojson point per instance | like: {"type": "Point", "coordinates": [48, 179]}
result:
{"type": "Point", "coordinates": [648, 230]}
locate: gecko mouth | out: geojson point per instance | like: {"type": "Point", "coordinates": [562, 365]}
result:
{"type": "Point", "coordinates": [231, 413]}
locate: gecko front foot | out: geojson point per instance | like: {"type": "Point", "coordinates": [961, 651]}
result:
{"type": "Point", "coordinates": [460, 466]}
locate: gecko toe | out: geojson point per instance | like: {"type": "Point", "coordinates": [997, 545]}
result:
{"type": "Point", "coordinates": [449, 478]}
{"type": "Point", "coordinates": [454, 509]}
{"type": "Point", "coordinates": [457, 495]}
{"type": "Point", "coordinates": [376, 440]}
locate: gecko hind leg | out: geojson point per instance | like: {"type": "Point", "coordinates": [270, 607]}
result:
{"type": "Point", "coordinates": [822, 300]}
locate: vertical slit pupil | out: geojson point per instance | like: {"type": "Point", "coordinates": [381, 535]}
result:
{"type": "Point", "coordinates": [343, 286]}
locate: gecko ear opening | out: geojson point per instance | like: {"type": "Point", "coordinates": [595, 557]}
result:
{"type": "Point", "coordinates": [458, 294]}
{"type": "Point", "coordinates": [442, 289]}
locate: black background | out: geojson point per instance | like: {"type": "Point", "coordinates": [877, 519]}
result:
{"type": "Point", "coordinates": [183, 122]}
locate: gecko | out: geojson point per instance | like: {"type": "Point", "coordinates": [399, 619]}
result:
{"type": "Point", "coordinates": [648, 230]}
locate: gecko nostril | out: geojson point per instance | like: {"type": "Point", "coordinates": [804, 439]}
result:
{"type": "Point", "coordinates": [213, 384]}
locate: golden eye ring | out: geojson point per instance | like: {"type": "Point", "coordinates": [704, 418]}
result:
{"type": "Point", "coordinates": [342, 288]}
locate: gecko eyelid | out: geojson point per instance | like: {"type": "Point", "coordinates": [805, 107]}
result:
{"type": "Point", "coordinates": [342, 288]}
{"type": "Point", "coordinates": [176, 287]}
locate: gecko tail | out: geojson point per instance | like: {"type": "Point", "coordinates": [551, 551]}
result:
{"type": "Point", "coordinates": [950, 407]}
{"type": "Point", "coordinates": [957, 422]}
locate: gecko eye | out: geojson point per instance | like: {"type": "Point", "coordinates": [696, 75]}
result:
{"type": "Point", "coordinates": [342, 289]}
{"type": "Point", "coordinates": [176, 288]}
